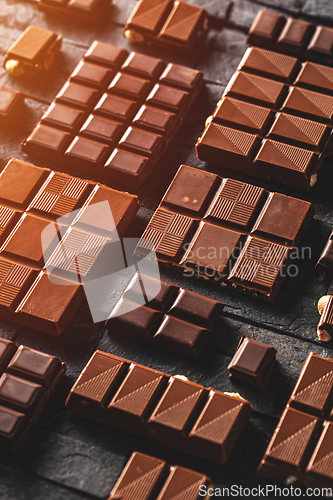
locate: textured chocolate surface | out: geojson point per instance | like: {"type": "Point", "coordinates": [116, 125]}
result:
{"type": "Point", "coordinates": [226, 231]}
{"type": "Point", "coordinates": [115, 116]}
{"type": "Point", "coordinates": [178, 413]}
{"type": "Point", "coordinates": [28, 380]}
{"type": "Point", "coordinates": [88, 10]}
{"type": "Point", "coordinates": [325, 325]}
{"type": "Point", "coordinates": [302, 444]}
{"type": "Point", "coordinates": [267, 127]}
{"type": "Point", "coordinates": [182, 325]}
{"type": "Point", "coordinates": [33, 245]}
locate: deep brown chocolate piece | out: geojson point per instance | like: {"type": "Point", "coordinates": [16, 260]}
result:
{"type": "Point", "coordinates": [28, 379]}
{"type": "Point", "coordinates": [301, 447]}
{"type": "Point", "coordinates": [11, 105]}
{"type": "Point", "coordinates": [171, 411]}
{"type": "Point", "coordinates": [35, 245]}
{"type": "Point", "coordinates": [252, 363]}
{"type": "Point", "coordinates": [325, 260]}
{"type": "Point", "coordinates": [226, 231]}
{"type": "Point", "coordinates": [176, 320]}
{"type": "Point", "coordinates": [115, 116]}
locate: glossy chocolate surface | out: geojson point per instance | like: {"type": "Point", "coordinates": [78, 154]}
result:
{"type": "Point", "coordinates": [178, 413]}
{"type": "Point", "coordinates": [177, 320]}
{"type": "Point", "coordinates": [115, 101]}
{"type": "Point", "coordinates": [231, 233]}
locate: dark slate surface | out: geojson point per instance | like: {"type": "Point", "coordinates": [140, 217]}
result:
{"type": "Point", "coordinates": [74, 458]}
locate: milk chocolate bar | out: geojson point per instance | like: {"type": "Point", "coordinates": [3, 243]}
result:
{"type": "Point", "coordinates": [170, 318]}
{"type": "Point", "coordinates": [325, 260]}
{"type": "Point", "coordinates": [49, 226]}
{"type": "Point", "coordinates": [167, 23]}
{"type": "Point", "coordinates": [301, 448]}
{"type": "Point", "coordinates": [294, 37]}
{"type": "Point", "coordinates": [35, 50]}
{"type": "Point", "coordinates": [11, 105]}
{"type": "Point", "coordinates": [28, 379]}
{"type": "Point", "coordinates": [274, 120]}
{"type": "Point", "coordinates": [87, 10]}
{"type": "Point", "coordinates": [228, 232]}
{"type": "Point", "coordinates": [153, 405]}
{"type": "Point", "coordinates": [115, 116]}
{"type": "Point", "coordinates": [149, 478]}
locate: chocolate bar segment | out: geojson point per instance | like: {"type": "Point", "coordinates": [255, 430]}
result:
{"type": "Point", "coordinates": [84, 10]}
{"type": "Point", "coordinates": [325, 260]}
{"type": "Point", "coordinates": [11, 105]}
{"type": "Point", "coordinates": [226, 231]}
{"type": "Point", "coordinates": [166, 409]}
{"type": "Point", "coordinates": [115, 116]}
{"type": "Point", "coordinates": [28, 380]}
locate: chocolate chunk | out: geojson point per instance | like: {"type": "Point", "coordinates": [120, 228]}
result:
{"type": "Point", "coordinates": [166, 409]}
{"type": "Point", "coordinates": [325, 325]}
{"type": "Point", "coordinates": [326, 258]}
{"type": "Point", "coordinates": [91, 75]}
{"type": "Point", "coordinates": [320, 463]}
{"type": "Point", "coordinates": [316, 77]}
{"type": "Point", "coordinates": [86, 10]}
{"type": "Point", "coordinates": [320, 47]}
{"type": "Point", "coordinates": [11, 105]}
{"type": "Point", "coordinates": [34, 365]}
{"type": "Point", "coordinates": [252, 363]}
{"type": "Point", "coordinates": [266, 28]}
{"type": "Point", "coordinates": [295, 36]}
{"type": "Point", "coordinates": [64, 117]}
{"type": "Point", "coordinates": [270, 64]}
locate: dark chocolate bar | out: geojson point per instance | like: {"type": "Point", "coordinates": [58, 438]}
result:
{"type": "Point", "coordinates": [115, 116]}
{"type": "Point", "coordinates": [28, 379]}
{"type": "Point", "coordinates": [35, 50]}
{"type": "Point", "coordinates": [36, 202]}
{"type": "Point", "coordinates": [149, 478]}
{"type": "Point", "coordinates": [325, 260]}
{"type": "Point", "coordinates": [174, 320]}
{"type": "Point", "coordinates": [87, 10]}
{"type": "Point", "coordinates": [222, 230]}
{"type": "Point", "coordinates": [301, 448]}
{"type": "Point", "coordinates": [274, 120]}
{"type": "Point", "coordinates": [11, 105]}
{"type": "Point", "coordinates": [294, 37]}
{"type": "Point", "coordinates": [167, 23]}
{"type": "Point", "coordinates": [252, 363]}
{"type": "Point", "coordinates": [169, 410]}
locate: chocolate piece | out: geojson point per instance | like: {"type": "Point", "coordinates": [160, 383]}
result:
{"type": "Point", "coordinates": [28, 380]}
{"type": "Point", "coordinates": [261, 129]}
{"type": "Point", "coordinates": [252, 363]}
{"type": "Point", "coordinates": [182, 325]}
{"type": "Point", "coordinates": [325, 325]}
{"type": "Point", "coordinates": [34, 245]}
{"type": "Point", "coordinates": [167, 23]}
{"type": "Point", "coordinates": [159, 407]}
{"type": "Point", "coordinates": [11, 105]}
{"type": "Point", "coordinates": [151, 478]}
{"type": "Point", "coordinates": [325, 260]}
{"type": "Point", "coordinates": [115, 116]}
{"type": "Point", "coordinates": [33, 51]}
{"type": "Point", "coordinates": [86, 10]}
{"type": "Point", "coordinates": [226, 231]}
{"type": "Point", "coordinates": [295, 36]}
{"type": "Point", "coordinates": [301, 446]}
{"type": "Point", "coordinates": [266, 28]}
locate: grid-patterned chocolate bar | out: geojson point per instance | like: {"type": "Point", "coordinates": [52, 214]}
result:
{"type": "Point", "coordinates": [169, 410]}
{"type": "Point", "coordinates": [294, 37]}
{"type": "Point", "coordinates": [48, 225]}
{"type": "Point", "coordinates": [170, 318]}
{"type": "Point", "coordinates": [231, 233]}
{"type": "Point", "coordinates": [167, 23]}
{"type": "Point", "coordinates": [28, 378]}
{"type": "Point", "coordinates": [301, 448]}
{"type": "Point", "coordinates": [115, 116]}
{"type": "Point", "coordinates": [274, 120]}
{"type": "Point", "coordinates": [149, 478]}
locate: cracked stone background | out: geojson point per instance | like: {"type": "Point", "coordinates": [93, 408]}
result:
{"type": "Point", "coordinates": [74, 458]}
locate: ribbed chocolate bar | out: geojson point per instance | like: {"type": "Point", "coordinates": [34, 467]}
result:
{"type": "Point", "coordinates": [291, 36]}
{"type": "Point", "coordinates": [174, 320]}
{"type": "Point", "coordinates": [166, 23]}
{"type": "Point", "coordinates": [28, 379]}
{"type": "Point", "coordinates": [115, 116]}
{"type": "Point", "coordinates": [231, 233]}
{"type": "Point", "coordinates": [302, 445]}
{"type": "Point", "coordinates": [149, 478]}
{"type": "Point", "coordinates": [274, 120]}
{"type": "Point", "coordinates": [48, 226]}
{"type": "Point", "coordinates": [171, 411]}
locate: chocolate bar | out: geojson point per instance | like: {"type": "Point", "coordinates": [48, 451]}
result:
{"type": "Point", "coordinates": [325, 260]}
{"type": "Point", "coordinates": [79, 9]}
{"type": "Point", "coordinates": [225, 231]}
{"type": "Point", "coordinates": [28, 379]}
{"type": "Point", "coordinates": [169, 24]}
{"type": "Point", "coordinates": [301, 448]}
{"type": "Point", "coordinates": [325, 325]}
{"type": "Point", "coordinates": [294, 37]}
{"type": "Point", "coordinates": [149, 478]}
{"type": "Point", "coordinates": [252, 363]}
{"type": "Point", "coordinates": [170, 318]}
{"type": "Point", "coordinates": [11, 105]}
{"type": "Point", "coordinates": [48, 227]}
{"type": "Point", "coordinates": [153, 405]}
{"type": "Point", "coordinates": [115, 116]}
{"type": "Point", "coordinates": [34, 51]}
{"type": "Point", "coordinates": [274, 120]}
